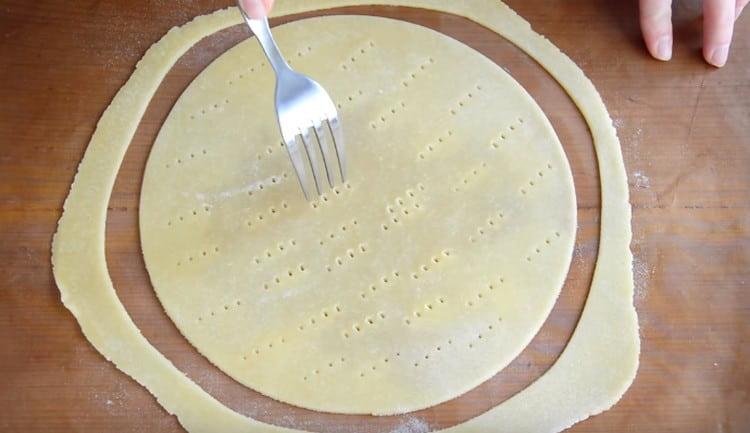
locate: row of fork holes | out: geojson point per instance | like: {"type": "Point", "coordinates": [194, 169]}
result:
{"type": "Point", "coordinates": [290, 273]}
{"type": "Point", "coordinates": [194, 213]}
{"type": "Point", "coordinates": [350, 254]}
{"type": "Point", "coordinates": [324, 198]}
{"type": "Point", "coordinates": [261, 186]}
{"type": "Point", "coordinates": [540, 174]}
{"type": "Point", "coordinates": [470, 345]}
{"type": "Point", "coordinates": [413, 75]}
{"type": "Point", "coordinates": [268, 153]}
{"type": "Point", "coordinates": [401, 203]}
{"type": "Point", "coordinates": [415, 275]}
{"type": "Point", "coordinates": [357, 328]}
{"type": "Point", "coordinates": [428, 307]}
{"type": "Point", "coordinates": [272, 211]}
{"type": "Point", "coordinates": [482, 295]}
{"type": "Point", "coordinates": [242, 75]}
{"type": "Point", "coordinates": [383, 118]}
{"type": "Point", "coordinates": [371, 322]}
{"type": "Point", "coordinates": [191, 155]}
{"type": "Point", "coordinates": [301, 53]}
{"type": "Point", "coordinates": [250, 70]}
{"type": "Point", "coordinates": [351, 98]}
{"type": "Point", "coordinates": [495, 143]}
{"type": "Point", "coordinates": [344, 229]}
{"type": "Point", "coordinates": [204, 253]}
{"type": "Point", "coordinates": [386, 280]}
{"type": "Point", "coordinates": [438, 349]}
{"type": "Point", "coordinates": [432, 147]}
{"type": "Point", "coordinates": [471, 176]}
{"type": "Point", "coordinates": [491, 224]}
{"type": "Point", "coordinates": [465, 100]}
{"type": "Point", "coordinates": [325, 314]}
{"type": "Point", "coordinates": [210, 108]}
{"type": "Point", "coordinates": [353, 58]}
{"type": "Point", "coordinates": [426, 268]}
{"type": "Point", "coordinates": [267, 255]}
{"type": "Point", "coordinates": [538, 250]}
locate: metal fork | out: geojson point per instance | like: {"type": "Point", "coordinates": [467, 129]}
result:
{"type": "Point", "coordinates": [307, 117]}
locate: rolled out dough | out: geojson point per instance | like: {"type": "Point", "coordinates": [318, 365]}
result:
{"type": "Point", "coordinates": [592, 373]}
{"type": "Point", "coordinates": [418, 279]}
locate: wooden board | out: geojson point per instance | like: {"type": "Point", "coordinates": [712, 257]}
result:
{"type": "Point", "coordinates": [684, 128]}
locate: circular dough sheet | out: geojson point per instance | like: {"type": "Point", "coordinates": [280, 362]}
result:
{"type": "Point", "coordinates": [419, 278]}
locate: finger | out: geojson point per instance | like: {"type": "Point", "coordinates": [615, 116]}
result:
{"type": "Point", "coordinates": [738, 9]}
{"type": "Point", "coordinates": [255, 9]}
{"type": "Point", "coordinates": [718, 24]}
{"type": "Point", "coordinates": [656, 25]}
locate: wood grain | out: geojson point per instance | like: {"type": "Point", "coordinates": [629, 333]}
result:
{"type": "Point", "coordinates": [684, 130]}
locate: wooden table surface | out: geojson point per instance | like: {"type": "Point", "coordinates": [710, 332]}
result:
{"type": "Point", "coordinates": [685, 132]}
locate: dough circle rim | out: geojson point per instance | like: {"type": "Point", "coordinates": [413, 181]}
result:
{"type": "Point", "coordinates": [352, 387]}
{"type": "Point", "coordinates": [79, 262]}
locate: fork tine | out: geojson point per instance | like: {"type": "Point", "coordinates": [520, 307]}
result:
{"type": "Point", "coordinates": [312, 156]}
{"type": "Point", "coordinates": [298, 162]}
{"type": "Point", "coordinates": [338, 141]}
{"type": "Point", "coordinates": [328, 156]}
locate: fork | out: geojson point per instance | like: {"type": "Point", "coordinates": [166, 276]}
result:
{"type": "Point", "coordinates": [306, 114]}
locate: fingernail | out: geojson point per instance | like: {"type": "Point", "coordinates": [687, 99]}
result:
{"type": "Point", "coordinates": [719, 56]}
{"type": "Point", "coordinates": [664, 48]}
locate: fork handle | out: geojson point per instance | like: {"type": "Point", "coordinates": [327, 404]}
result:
{"type": "Point", "coordinates": [262, 31]}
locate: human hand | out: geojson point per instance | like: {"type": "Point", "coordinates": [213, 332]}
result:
{"type": "Point", "coordinates": [257, 9]}
{"type": "Point", "coordinates": [718, 24]}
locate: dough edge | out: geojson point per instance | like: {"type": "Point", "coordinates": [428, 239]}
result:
{"type": "Point", "coordinates": [582, 381]}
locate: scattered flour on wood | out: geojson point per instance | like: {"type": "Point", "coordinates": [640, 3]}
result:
{"type": "Point", "coordinates": [635, 137]}
{"type": "Point", "coordinates": [630, 135]}
{"type": "Point", "coordinates": [113, 401]}
{"type": "Point", "coordinates": [641, 180]}
{"type": "Point", "coordinates": [412, 425]}
{"type": "Point", "coordinates": [581, 253]}
{"type": "Point", "coordinates": [642, 276]}
{"type": "Point", "coordinates": [642, 270]}
{"type": "Point", "coordinates": [291, 421]}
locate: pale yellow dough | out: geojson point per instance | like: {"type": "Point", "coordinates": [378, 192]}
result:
{"type": "Point", "coordinates": [418, 279]}
{"type": "Point", "coordinates": [591, 374]}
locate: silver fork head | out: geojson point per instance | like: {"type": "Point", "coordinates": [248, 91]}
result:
{"type": "Point", "coordinates": [311, 130]}
{"type": "Point", "coordinates": [307, 116]}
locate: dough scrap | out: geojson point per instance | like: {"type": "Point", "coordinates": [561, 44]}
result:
{"type": "Point", "coordinates": [592, 373]}
{"type": "Point", "coordinates": [414, 282]}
